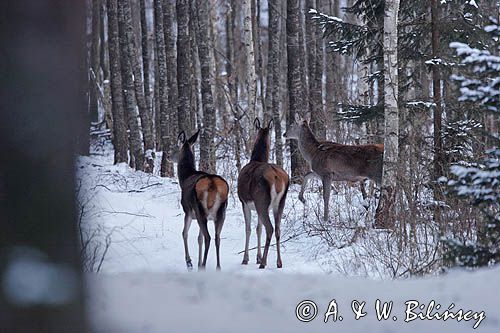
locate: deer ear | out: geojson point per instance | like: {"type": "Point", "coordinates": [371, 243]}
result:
{"type": "Point", "coordinates": [256, 123]}
{"type": "Point", "coordinates": [193, 138]}
{"type": "Point", "coordinates": [182, 137]}
{"type": "Point", "coordinates": [307, 118]}
{"type": "Point", "coordinates": [270, 124]}
{"type": "Point", "coordinates": [298, 118]}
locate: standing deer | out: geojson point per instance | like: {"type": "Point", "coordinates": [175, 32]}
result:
{"type": "Point", "coordinates": [331, 161]}
{"type": "Point", "coordinates": [262, 187]}
{"type": "Point", "coordinates": [204, 197]}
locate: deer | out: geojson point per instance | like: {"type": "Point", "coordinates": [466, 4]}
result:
{"type": "Point", "coordinates": [332, 161]}
{"type": "Point", "coordinates": [262, 187]}
{"type": "Point", "coordinates": [203, 197]}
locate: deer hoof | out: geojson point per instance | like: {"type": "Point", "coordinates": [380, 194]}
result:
{"type": "Point", "coordinates": [218, 268]}
{"type": "Point", "coordinates": [262, 266]}
{"type": "Point", "coordinates": [259, 259]}
{"type": "Point", "coordinates": [244, 262]}
{"type": "Point", "coordinates": [189, 265]}
{"type": "Point", "coordinates": [279, 264]}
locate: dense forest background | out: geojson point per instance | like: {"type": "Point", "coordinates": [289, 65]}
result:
{"type": "Point", "coordinates": [422, 77]}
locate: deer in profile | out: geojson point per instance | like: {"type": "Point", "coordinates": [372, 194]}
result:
{"type": "Point", "coordinates": [203, 197]}
{"type": "Point", "coordinates": [331, 161]}
{"type": "Point", "coordinates": [262, 187]}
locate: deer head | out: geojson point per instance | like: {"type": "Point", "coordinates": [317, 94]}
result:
{"type": "Point", "coordinates": [296, 128]}
{"type": "Point", "coordinates": [184, 146]}
{"type": "Point", "coordinates": [260, 151]}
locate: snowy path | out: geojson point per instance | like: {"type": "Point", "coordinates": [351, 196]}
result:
{"type": "Point", "coordinates": [144, 218]}
{"type": "Point", "coordinates": [145, 286]}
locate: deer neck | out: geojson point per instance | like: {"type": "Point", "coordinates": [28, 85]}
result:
{"type": "Point", "coordinates": [260, 151]}
{"type": "Point", "coordinates": [308, 144]}
{"type": "Point", "coordinates": [186, 166]}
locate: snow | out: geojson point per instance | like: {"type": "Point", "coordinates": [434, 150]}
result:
{"type": "Point", "coordinates": [134, 222]}
{"type": "Point", "coordinates": [234, 302]}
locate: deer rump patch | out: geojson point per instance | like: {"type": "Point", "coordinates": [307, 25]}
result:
{"type": "Point", "coordinates": [207, 189]}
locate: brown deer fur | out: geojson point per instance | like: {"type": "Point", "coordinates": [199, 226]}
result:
{"type": "Point", "coordinates": [262, 186]}
{"type": "Point", "coordinates": [331, 161]}
{"type": "Point", "coordinates": [204, 197]}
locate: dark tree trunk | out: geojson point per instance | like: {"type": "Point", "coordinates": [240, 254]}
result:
{"type": "Point", "coordinates": [119, 127]}
{"type": "Point", "coordinates": [146, 65]}
{"type": "Point", "coordinates": [436, 92]}
{"type": "Point", "coordinates": [184, 82]}
{"type": "Point", "coordinates": [294, 81]}
{"type": "Point", "coordinates": [166, 165]}
{"type": "Point", "coordinates": [207, 146]}
{"type": "Point", "coordinates": [231, 78]}
{"type": "Point", "coordinates": [136, 150]}
{"type": "Point", "coordinates": [168, 28]}
{"type": "Point", "coordinates": [104, 55]}
{"type": "Point", "coordinates": [94, 75]}
{"type": "Point", "coordinates": [146, 122]}
{"type": "Point", "coordinates": [38, 126]}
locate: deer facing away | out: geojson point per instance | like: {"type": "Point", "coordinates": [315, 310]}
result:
{"type": "Point", "coordinates": [262, 187]}
{"type": "Point", "coordinates": [204, 197]}
{"type": "Point", "coordinates": [331, 161]}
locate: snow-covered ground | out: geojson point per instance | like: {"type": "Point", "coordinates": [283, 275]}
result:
{"type": "Point", "coordinates": [134, 222]}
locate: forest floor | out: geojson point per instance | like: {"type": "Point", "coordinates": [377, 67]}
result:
{"type": "Point", "coordinates": [133, 222]}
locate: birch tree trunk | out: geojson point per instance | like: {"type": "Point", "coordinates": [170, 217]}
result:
{"type": "Point", "coordinates": [166, 165]}
{"type": "Point", "coordinates": [251, 79]}
{"type": "Point", "coordinates": [273, 77]}
{"type": "Point", "coordinates": [384, 217]}
{"type": "Point", "coordinates": [136, 150]}
{"type": "Point", "coordinates": [120, 142]}
{"type": "Point", "coordinates": [207, 146]}
{"type": "Point", "coordinates": [184, 75]}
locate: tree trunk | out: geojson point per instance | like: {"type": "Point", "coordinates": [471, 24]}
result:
{"type": "Point", "coordinates": [295, 89]}
{"type": "Point", "coordinates": [137, 152]}
{"type": "Point", "coordinates": [231, 75]}
{"type": "Point", "coordinates": [166, 165]}
{"type": "Point", "coordinates": [207, 146]}
{"type": "Point", "coordinates": [184, 82]}
{"type": "Point", "coordinates": [43, 107]}
{"type": "Point", "coordinates": [385, 216]}
{"type": "Point", "coordinates": [146, 122]}
{"type": "Point", "coordinates": [106, 88]}
{"type": "Point", "coordinates": [168, 28]}
{"type": "Point", "coordinates": [120, 141]}
{"type": "Point", "coordinates": [146, 64]}
{"type": "Point", "coordinates": [251, 76]}
{"type": "Point", "coordinates": [273, 77]}
{"type": "Point", "coordinates": [94, 75]}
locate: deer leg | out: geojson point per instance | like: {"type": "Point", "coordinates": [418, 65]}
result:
{"type": "Point", "coordinates": [277, 224]}
{"type": "Point", "coordinates": [363, 190]}
{"type": "Point", "coordinates": [247, 214]}
{"type": "Point", "coordinates": [308, 176]}
{"type": "Point", "coordinates": [202, 221]}
{"type": "Point", "coordinates": [263, 212]}
{"type": "Point", "coordinates": [327, 188]}
{"type": "Point", "coordinates": [185, 231]}
{"type": "Point", "coordinates": [200, 247]}
{"type": "Point", "coordinates": [218, 228]}
{"type": "Point", "coordinates": [259, 235]}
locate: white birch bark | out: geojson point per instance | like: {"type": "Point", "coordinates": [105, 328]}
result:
{"type": "Point", "coordinates": [251, 80]}
{"type": "Point", "coordinates": [391, 124]}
